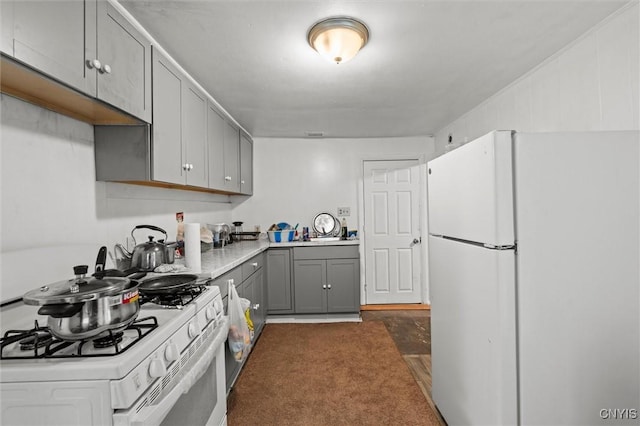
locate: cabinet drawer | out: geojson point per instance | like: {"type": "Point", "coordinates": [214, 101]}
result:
{"type": "Point", "coordinates": [234, 274]}
{"type": "Point", "coordinates": [326, 252]}
{"type": "Point", "coordinates": [252, 265]}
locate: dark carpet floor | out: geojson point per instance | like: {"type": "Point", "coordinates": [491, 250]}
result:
{"type": "Point", "coordinates": [327, 374]}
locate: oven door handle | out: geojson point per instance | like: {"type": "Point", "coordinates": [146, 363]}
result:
{"type": "Point", "coordinates": [154, 414]}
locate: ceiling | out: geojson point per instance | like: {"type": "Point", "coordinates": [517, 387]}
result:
{"type": "Point", "coordinates": [427, 62]}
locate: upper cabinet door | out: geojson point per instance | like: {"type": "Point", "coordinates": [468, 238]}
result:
{"type": "Point", "coordinates": [231, 158]}
{"type": "Point", "coordinates": [51, 37]}
{"type": "Point", "coordinates": [168, 157]}
{"type": "Point", "coordinates": [246, 165]}
{"type": "Point", "coordinates": [215, 142]}
{"type": "Point", "coordinates": [194, 135]}
{"type": "Point", "coordinates": [124, 76]}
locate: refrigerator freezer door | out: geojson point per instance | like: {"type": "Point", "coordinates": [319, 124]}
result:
{"type": "Point", "coordinates": [473, 333]}
{"type": "Point", "coordinates": [472, 192]}
{"type": "Point", "coordinates": [577, 210]}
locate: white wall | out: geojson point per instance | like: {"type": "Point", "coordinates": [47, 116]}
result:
{"type": "Point", "coordinates": [295, 179]}
{"type": "Point", "coordinates": [55, 215]}
{"type": "Point", "coordinates": [592, 84]}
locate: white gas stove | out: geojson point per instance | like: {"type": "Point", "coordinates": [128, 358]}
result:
{"type": "Point", "coordinates": [138, 380]}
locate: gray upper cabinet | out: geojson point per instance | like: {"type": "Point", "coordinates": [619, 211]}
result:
{"type": "Point", "coordinates": [246, 165]}
{"type": "Point", "coordinates": [215, 142]}
{"type": "Point", "coordinates": [231, 158]}
{"type": "Point", "coordinates": [223, 140]}
{"type": "Point", "coordinates": [51, 37]}
{"type": "Point", "coordinates": [87, 45]}
{"type": "Point", "coordinates": [194, 136]}
{"type": "Point", "coordinates": [180, 127]}
{"type": "Point", "coordinates": [167, 117]}
{"type": "Point", "coordinates": [124, 77]}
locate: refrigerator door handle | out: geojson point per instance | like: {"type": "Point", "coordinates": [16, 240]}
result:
{"type": "Point", "coordinates": [492, 247]}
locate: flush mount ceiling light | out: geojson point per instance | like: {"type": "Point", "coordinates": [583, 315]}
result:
{"type": "Point", "coordinates": [338, 39]}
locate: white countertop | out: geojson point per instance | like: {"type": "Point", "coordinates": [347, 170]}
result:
{"type": "Point", "coordinates": [217, 261]}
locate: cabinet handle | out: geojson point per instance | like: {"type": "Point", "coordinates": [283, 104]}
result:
{"type": "Point", "coordinates": [329, 286]}
{"type": "Point", "coordinates": [185, 166]}
{"type": "Point", "coordinates": [190, 166]}
{"type": "Point", "coordinates": [227, 178]}
{"type": "Point", "coordinates": [105, 69]}
{"type": "Point", "coordinates": [94, 63]}
{"type": "Point", "coordinates": [324, 286]}
{"type": "Point", "coordinates": [256, 306]}
{"type": "Point", "coordinates": [255, 264]}
{"type": "Point", "coordinates": [242, 182]}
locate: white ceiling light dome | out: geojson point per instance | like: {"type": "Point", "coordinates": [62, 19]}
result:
{"type": "Point", "coordinates": [338, 39]}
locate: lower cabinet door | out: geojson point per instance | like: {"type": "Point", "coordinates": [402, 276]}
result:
{"type": "Point", "coordinates": [279, 294]}
{"type": "Point", "coordinates": [310, 278]}
{"type": "Point", "coordinates": [343, 291]}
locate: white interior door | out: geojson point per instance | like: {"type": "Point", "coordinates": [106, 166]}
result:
{"type": "Point", "coordinates": [392, 231]}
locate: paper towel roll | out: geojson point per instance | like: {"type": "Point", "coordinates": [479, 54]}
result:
{"type": "Point", "coordinates": [192, 247]}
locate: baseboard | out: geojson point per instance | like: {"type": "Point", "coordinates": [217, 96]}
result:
{"type": "Point", "coordinates": [310, 318]}
{"type": "Point", "coordinates": [396, 307]}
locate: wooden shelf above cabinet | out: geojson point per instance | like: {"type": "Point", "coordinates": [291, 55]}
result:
{"type": "Point", "coordinates": [22, 82]}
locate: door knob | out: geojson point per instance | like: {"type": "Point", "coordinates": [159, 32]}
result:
{"type": "Point", "coordinates": [415, 241]}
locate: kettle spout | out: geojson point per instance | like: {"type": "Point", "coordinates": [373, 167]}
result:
{"type": "Point", "coordinates": [124, 253]}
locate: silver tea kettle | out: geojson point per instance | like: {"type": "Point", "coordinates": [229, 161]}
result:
{"type": "Point", "coordinates": [148, 255]}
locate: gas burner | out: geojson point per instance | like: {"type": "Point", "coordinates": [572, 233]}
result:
{"type": "Point", "coordinates": [108, 341]}
{"type": "Point", "coordinates": [35, 341]}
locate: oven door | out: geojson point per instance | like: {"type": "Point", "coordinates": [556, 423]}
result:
{"type": "Point", "coordinates": [199, 398]}
{"type": "Point", "coordinates": [205, 403]}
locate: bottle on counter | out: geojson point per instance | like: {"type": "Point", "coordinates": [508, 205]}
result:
{"type": "Point", "coordinates": [344, 228]}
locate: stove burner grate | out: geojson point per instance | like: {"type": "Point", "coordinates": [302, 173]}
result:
{"type": "Point", "coordinates": [47, 346]}
{"type": "Point", "coordinates": [173, 299]}
{"type": "Point", "coordinates": [38, 339]}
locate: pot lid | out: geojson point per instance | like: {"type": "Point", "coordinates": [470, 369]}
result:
{"type": "Point", "coordinates": [167, 284]}
{"type": "Point", "coordinates": [79, 289]}
{"type": "Point", "coordinates": [325, 225]}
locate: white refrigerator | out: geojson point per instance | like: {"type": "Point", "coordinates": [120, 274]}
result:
{"type": "Point", "coordinates": [534, 279]}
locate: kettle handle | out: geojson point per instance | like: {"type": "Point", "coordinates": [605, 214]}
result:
{"type": "Point", "coordinates": [153, 228]}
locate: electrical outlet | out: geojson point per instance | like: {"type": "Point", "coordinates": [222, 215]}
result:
{"type": "Point", "coordinates": [344, 211]}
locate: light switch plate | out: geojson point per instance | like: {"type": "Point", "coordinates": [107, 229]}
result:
{"type": "Point", "coordinates": [344, 211]}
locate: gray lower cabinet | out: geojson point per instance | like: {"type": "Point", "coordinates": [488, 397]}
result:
{"type": "Point", "coordinates": [248, 279]}
{"type": "Point", "coordinates": [87, 45]}
{"type": "Point", "coordinates": [327, 286]}
{"type": "Point", "coordinates": [279, 285]}
{"type": "Point", "coordinates": [253, 281]}
{"type": "Point", "coordinates": [326, 279]}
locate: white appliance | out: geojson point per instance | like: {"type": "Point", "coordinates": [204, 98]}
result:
{"type": "Point", "coordinates": [534, 274]}
{"type": "Point", "coordinates": [169, 368]}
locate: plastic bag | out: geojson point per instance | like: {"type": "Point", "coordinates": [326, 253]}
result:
{"type": "Point", "coordinates": [246, 304]}
{"type": "Point", "coordinates": [239, 335]}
